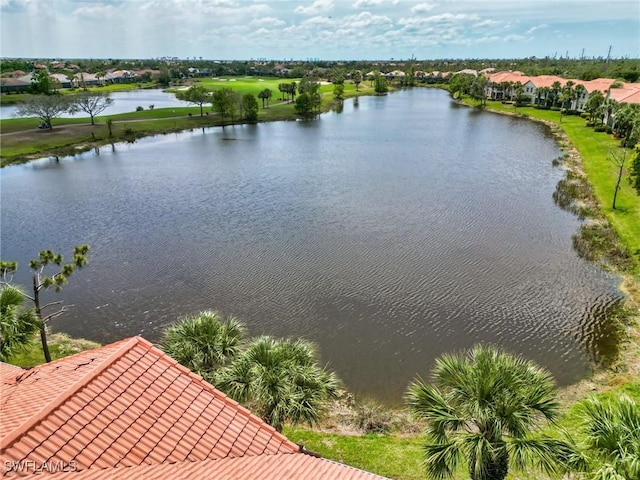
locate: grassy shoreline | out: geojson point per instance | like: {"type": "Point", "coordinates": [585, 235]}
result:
{"type": "Point", "coordinates": [21, 142]}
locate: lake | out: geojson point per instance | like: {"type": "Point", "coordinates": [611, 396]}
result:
{"type": "Point", "coordinates": [401, 228]}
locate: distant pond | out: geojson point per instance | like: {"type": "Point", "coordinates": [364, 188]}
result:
{"type": "Point", "coordinates": [123, 102]}
{"type": "Point", "coordinates": [401, 228]}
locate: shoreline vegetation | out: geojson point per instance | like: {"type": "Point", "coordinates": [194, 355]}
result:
{"type": "Point", "coordinates": [361, 432]}
{"type": "Point", "coordinates": [22, 140]}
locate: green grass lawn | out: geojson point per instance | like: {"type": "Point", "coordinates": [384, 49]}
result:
{"type": "Point", "coordinates": [396, 457]}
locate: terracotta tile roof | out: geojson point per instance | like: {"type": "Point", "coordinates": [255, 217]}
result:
{"type": "Point", "coordinates": [629, 93]}
{"type": "Point", "coordinates": [9, 372]}
{"type": "Point", "coordinates": [601, 84]}
{"type": "Point", "coordinates": [547, 80]}
{"type": "Point", "coordinates": [122, 405]}
{"type": "Point", "coordinates": [127, 410]}
{"type": "Point", "coordinates": [499, 77]}
{"type": "Point", "coordinates": [42, 384]}
{"type": "Point", "coordinates": [283, 466]}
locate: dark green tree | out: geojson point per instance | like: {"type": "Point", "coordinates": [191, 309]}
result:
{"type": "Point", "coordinates": [46, 260]}
{"type": "Point", "coordinates": [249, 107]}
{"type": "Point", "coordinates": [594, 105]}
{"type": "Point", "coordinates": [204, 343]}
{"type": "Point", "coordinates": [223, 102]}
{"type": "Point", "coordinates": [265, 95]}
{"type": "Point", "coordinates": [460, 84]}
{"type": "Point", "coordinates": [196, 94]}
{"type": "Point", "coordinates": [380, 85]}
{"type": "Point", "coordinates": [356, 77]}
{"type": "Point", "coordinates": [310, 88]}
{"type": "Point", "coordinates": [611, 446]}
{"type": "Point", "coordinates": [481, 409]}
{"type": "Point", "coordinates": [303, 105]}
{"type": "Point", "coordinates": [478, 89]}
{"type": "Point", "coordinates": [41, 82]}
{"type": "Point", "coordinates": [280, 380]}
{"type": "Point", "coordinates": [17, 324]}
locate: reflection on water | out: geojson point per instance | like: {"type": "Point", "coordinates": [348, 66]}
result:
{"type": "Point", "coordinates": [389, 233]}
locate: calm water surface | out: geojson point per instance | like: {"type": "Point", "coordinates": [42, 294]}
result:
{"type": "Point", "coordinates": [123, 102]}
{"type": "Point", "coordinates": [404, 227]}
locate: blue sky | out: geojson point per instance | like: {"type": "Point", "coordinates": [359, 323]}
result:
{"type": "Point", "coordinates": [325, 29]}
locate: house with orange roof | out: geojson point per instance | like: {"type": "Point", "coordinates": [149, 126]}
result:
{"type": "Point", "coordinates": [502, 84]}
{"type": "Point", "coordinates": [129, 411]}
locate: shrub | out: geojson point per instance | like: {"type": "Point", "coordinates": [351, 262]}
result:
{"type": "Point", "coordinates": [585, 115]}
{"type": "Point", "coordinates": [371, 417]}
{"type": "Point", "coordinates": [600, 128]}
{"type": "Point", "coordinates": [609, 129]}
{"type": "Point", "coordinates": [139, 108]}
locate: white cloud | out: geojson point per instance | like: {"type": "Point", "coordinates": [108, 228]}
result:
{"type": "Point", "coordinates": [366, 3]}
{"type": "Point", "coordinates": [366, 19]}
{"type": "Point", "coordinates": [423, 7]}
{"type": "Point", "coordinates": [267, 22]}
{"type": "Point", "coordinates": [487, 23]}
{"type": "Point", "coordinates": [513, 38]}
{"type": "Point", "coordinates": [536, 28]}
{"type": "Point", "coordinates": [316, 8]}
{"type": "Point", "coordinates": [95, 11]}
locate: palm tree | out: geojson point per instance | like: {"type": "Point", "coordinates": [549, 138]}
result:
{"type": "Point", "coordinates": [544, 96]}
{"type": "Point", "coordinates": [612, 443]}
{"type": "Point", "coordinates": [556, 88]}
{"type": "Point", "coordinates": [205, 342]}
{"type": "Point", "coordinates": [578, 92]}
{"type": "Point", "coordinates": [17, 326]}
{"type": "Point", "coordinates": [280, 380]}
{"type": "Point", "coordinates": [482, 409]}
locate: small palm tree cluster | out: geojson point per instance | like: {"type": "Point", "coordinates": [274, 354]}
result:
{"type": "Point", "coordinates": [481, 409]}
{"type": "Point", "coordinates": [17, 324]}
{"type": "Point", "coordinates": [278, 379]}
{"type": "Point", "coordinates": [612, 438]}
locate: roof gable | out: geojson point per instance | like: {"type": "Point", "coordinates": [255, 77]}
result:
{"type": "Point", "coordinates": [124, 405]}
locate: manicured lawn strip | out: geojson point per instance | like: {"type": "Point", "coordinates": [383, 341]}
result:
{"type": "Point", "coordinates": [113, 87]}
{"type": "Point", "coordinates": [9, 125]}
{"type": "Point", "coordinates": [595, 148]}
{"type": "Point", "coordinates": [400, 458]}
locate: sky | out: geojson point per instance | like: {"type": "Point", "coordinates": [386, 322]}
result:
{"type": "Point", "coordinates": [322, 29]}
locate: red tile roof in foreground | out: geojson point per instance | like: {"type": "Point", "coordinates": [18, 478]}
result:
{"type": "Point", "coordinates": [284, 466]}
{"type": "Point", "coordinates": [129, 409]}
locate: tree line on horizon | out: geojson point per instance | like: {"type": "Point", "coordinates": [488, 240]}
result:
{"type": "Point", "coordinates": [626, 69]}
